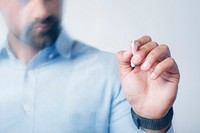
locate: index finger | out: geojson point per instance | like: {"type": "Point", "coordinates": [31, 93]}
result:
{"type": "Point", "coordinates": [143, 40]}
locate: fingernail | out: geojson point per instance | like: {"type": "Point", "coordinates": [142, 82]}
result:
{"type": "Point", "coordinates": [146, 65]}
{"type": "Point", "coordinates": [153, 75]}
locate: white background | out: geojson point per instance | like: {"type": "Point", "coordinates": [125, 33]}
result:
{"type": "Point", "coordinates": [110, 24]}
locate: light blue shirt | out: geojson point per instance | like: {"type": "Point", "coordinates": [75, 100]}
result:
{"type": "Point", "coordinates": [66, 88]}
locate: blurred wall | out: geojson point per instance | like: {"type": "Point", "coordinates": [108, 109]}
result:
{"type": "Point", "coordinates": [110, 24]}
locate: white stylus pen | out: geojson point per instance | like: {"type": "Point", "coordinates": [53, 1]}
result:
{"type": "Point", "coordinates": [134, 48]}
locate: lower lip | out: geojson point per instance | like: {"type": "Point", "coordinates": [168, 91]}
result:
{"type": "Point", "coordinates": [42, 28]}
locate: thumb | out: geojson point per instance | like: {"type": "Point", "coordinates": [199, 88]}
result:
{"type": "Point", "coordinates": [124, 63]}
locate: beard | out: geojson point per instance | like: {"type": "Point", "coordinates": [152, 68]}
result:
{"type": "Point", "coordinates": [39, 39]}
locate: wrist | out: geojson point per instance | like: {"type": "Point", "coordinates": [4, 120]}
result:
{"type": "Point", "coordinates": [151, 113]}
{"type": "Point", "coordinates": [152, 124]}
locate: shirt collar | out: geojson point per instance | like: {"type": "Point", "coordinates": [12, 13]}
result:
{"type": "Point", "coordinates": [64, 44]}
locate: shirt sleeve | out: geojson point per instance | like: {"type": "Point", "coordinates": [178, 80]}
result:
{"type": "Point", "coordinates": [120, 119]}
{"type": "Point", "coordinates": [171, 130]}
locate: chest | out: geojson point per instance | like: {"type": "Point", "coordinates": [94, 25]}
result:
{"type": "Point", "coordinates": [63, 100]}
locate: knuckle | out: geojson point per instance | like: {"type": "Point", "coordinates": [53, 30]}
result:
{"type": "Point", "coordinates": [149, 46]}
{"type": "Point", "coordinates": [159, 68]}
{"type": "Point", "coordinates": [119, 54]}
{"type": "Point", "coordinates": [153, 55]}
{"type": "Point", "coordinates": [151, 59]}
{"type": "Point", "coordinates": [154, 43]}
{"type": "Point", "coordinates": [144, 49]}
{"type": "Point", "coordinates": [147, 37]}
{"type": "Point", "coordinates": [165, 47]}
{"type": "Point", "coordinates": [139, 54]}
{"type": "Point", "coordinates": [142, 54]}
{"type": "Point", "coordinates": [171, 60]}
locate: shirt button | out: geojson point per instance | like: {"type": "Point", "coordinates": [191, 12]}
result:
{"type": "Point", "coordinates": [51, 56]}
{"type": "Point", "coordinates": [27, 107]}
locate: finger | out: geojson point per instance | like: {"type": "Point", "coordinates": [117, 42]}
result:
{"type": "Point", "coordinates": [156, 55]}
{"type": "Point", "coordinates": [143, 40]}
{"type": "Point", "coordinates": [124, 57]}
{"type": "Point", "coordinates": [142, 52]}
{"type": "Point", "coordinates": [167, 65]}
{"type": "Point", "coordinates": [123, 60]}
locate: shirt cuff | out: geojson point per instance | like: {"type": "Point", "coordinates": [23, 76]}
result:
{"type": "Point", "coordinates": [170, 130]}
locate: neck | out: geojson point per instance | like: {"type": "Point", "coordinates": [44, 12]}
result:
{"type": "Point", "coordinates": [22, 51]}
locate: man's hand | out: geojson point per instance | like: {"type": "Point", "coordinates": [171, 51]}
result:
{"type": "Point", "coordinates": [151, 86]}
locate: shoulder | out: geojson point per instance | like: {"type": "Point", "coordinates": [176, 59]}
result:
{"type": "Point", "coordinates": [101, 66]}
{"type": "Point", "coordinates": [93, 56]}
{"type": "Point", "coordinates": [81, 50]}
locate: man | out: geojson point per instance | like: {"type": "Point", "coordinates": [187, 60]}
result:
{"type": "Point", "coordinates": [52, 84]}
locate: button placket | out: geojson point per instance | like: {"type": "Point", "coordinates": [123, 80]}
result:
{"type": "Point", "coordinates": [28, 104]}
{"type": "Point", "coordinates": [27, 107]}
{"type": "Point", "coordinates": [51, 56]}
